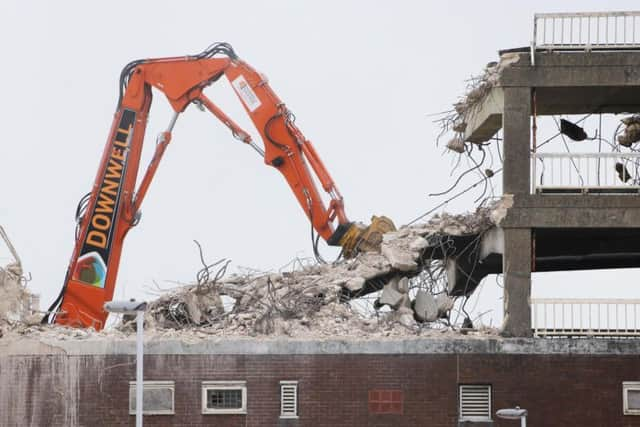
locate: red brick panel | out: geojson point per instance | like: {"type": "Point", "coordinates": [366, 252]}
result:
{"type": "Point", "coordinates": [386, 401]}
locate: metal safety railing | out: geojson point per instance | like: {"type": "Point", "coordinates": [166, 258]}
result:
{"type": "Point", "coordinates": [585, 317]}
{"type": "Point", "coordinates": [586, 30]}
{"type": "Point", "coordinates": [585, 172]}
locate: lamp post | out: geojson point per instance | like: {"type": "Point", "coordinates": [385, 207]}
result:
{"type": "Point", "coordinates": [131, 307]}
{"type": "Point", "coordinates": [514, 414]}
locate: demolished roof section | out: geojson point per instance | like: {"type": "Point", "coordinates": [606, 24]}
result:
{"type": "Point", "coordinates": [475, 104]}
{"type": "Point", "coordinates": [311, 301]}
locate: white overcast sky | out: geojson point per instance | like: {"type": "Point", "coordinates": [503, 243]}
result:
{"type": "Point", "coordinates": [361, 77]}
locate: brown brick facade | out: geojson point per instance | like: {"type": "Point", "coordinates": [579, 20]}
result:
{"type": "Point", "coordinates": [333, 390]}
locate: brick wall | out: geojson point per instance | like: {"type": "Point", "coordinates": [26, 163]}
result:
{"type": "Point", "coordinates": [558, 390]}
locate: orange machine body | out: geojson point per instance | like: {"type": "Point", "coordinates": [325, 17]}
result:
{"type": "Point", "coordinates": [113, 205]}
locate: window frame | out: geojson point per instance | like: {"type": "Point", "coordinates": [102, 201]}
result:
{"type": "Point", "coordinates": [151, 385]}
{"type": "Point", "coordinates": [224, 385]}
{"type": "Point", "coordinates": [283, 384]}
{"type": "Point", "coordinates": [626, 386]}
{"type": "Point", "coordinates": [488, 418]}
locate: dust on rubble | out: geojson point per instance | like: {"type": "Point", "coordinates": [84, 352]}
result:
{"type": "Point", "coordinates": [15, 300]}
{"type": "Point", "coordinates": [13, 295]}
{"type": "Point", "coordinates": [313, 301]}
{"type": "Point", "coordinates": [317, 301]}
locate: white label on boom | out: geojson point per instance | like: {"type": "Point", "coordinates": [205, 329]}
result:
{"type": "Point", "coordinates": [245, 93]}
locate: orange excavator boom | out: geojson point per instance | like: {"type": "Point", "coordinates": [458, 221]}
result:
{"type": "Point", "coordinates": [112, 208]}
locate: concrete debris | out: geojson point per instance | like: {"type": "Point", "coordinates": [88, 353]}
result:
{"type": "Point", "coordinates": [459, 127]}
{"type": "Point", "coordinates": [499, 210]}
{"type": "Point", "coordinates": [445, 304]}
{"type": "Point", "coordinates": [398, 257]}
{"type": "Point", "coordinates": [478, 89]}
{"type": "Point", "coordinates": [368, 329]}
{"type": "Point", "coordinates": [631, 133]}
{"type": "Point", "coordinates": [391, 296]}
{"type": "Point", "coordinates": [190, 306]}
{"type": "Point", "coordinates": [13, 295]}
{"type": "Point", "coordinates": [456, 143]}
{"type": "Point", "coordinates": [312, 300]}
{"type": "Point", "coordinates": [355, 283]}
{"type": "Point", "coordinates": [404, 316]}
{"type": "Point", "coordinates": [371, 265]}
{"type": "Point", "coordinates": [481, 85]}
{"type": "Point", "coordinates": [15, 301]}
{"type": "Point", "coordinates": [425, 307]}
{"type": "Point", "coordinates": [403, 285]}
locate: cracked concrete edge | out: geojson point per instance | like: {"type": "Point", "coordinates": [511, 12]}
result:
{"type": "Point", "coordinates": [221, 346]}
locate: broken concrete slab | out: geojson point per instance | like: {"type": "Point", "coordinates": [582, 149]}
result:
{"type": "Point", "coordinates": [355, 283]}
{"type": "Point", "coordinates": [403, 285]}
{"type": "Point", "coordinates": [391, 296]}
{"type": "Point", "coordinates": [15, 300]}
{"type": "Point", "coordinates": [404, 316]}
{"type": "Point", "coordinates": [425, 306]}
{"type": "Point", "coordinates": [444, 303]}
{"type": "Point", "coordinates": [484, 117]}
{"type": "Point", "coordinates": [399, 259]}
{"type": "Point", "coordinates": [370, 265]}
{"type": "Point", "coordinates": [418, 244]}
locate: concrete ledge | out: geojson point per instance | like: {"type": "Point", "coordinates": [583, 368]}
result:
{"type": "Point", "coordinates": [485, 119]}
{"type": "Point", "coordinates": [571, 218]}
{"type": "Point", "coordinates": [589, 201]}
{"type": "Point", "coordinates": [226, 346]}
{"type": "Point", "coordinates": [566, 211]}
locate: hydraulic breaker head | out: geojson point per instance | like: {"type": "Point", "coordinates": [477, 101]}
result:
{"type": "Point", "coordinates": [355, 237]}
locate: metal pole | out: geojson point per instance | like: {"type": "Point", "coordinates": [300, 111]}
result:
{"type": "Point", "coordinates": [523, 421]}
{"type": "Point", "coordinates": [139, 358]}
{"type": "Point", "coordinates": [172, 123]}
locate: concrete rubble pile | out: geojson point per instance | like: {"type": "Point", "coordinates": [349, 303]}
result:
{"type": "Point", "coordinates": [15, 300]}
{"type": "Point", "coordinates": [313, 300]}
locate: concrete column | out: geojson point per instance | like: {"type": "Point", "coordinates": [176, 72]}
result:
{"type": "Point", "coordinates": [516, 177]}
{"type": "Point", "coordinates": [517, 241]}
{"type": "Point", "coordinates": [517, 282]}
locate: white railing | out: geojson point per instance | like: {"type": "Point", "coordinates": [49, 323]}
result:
{"type": "Point", "coordinates": [585, 172]}
{"type": "Point", "coordinates": [590, 30]}
{"type": "Point", "coordinates": [586, 317]}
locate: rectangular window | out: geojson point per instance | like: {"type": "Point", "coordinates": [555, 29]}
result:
{"type": "Point", "coordinates": [288, 399]}
{"type": "Point", "coordinates": [631, 397]}
{"type": "Point", "coordinates": [224, 397]}
{"type": "Point", "coordinates": [157, 398]}
{"type": "Point", "coordinates": [386, 401]}
{"type": "Point", "coordinates": [475, 402]}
